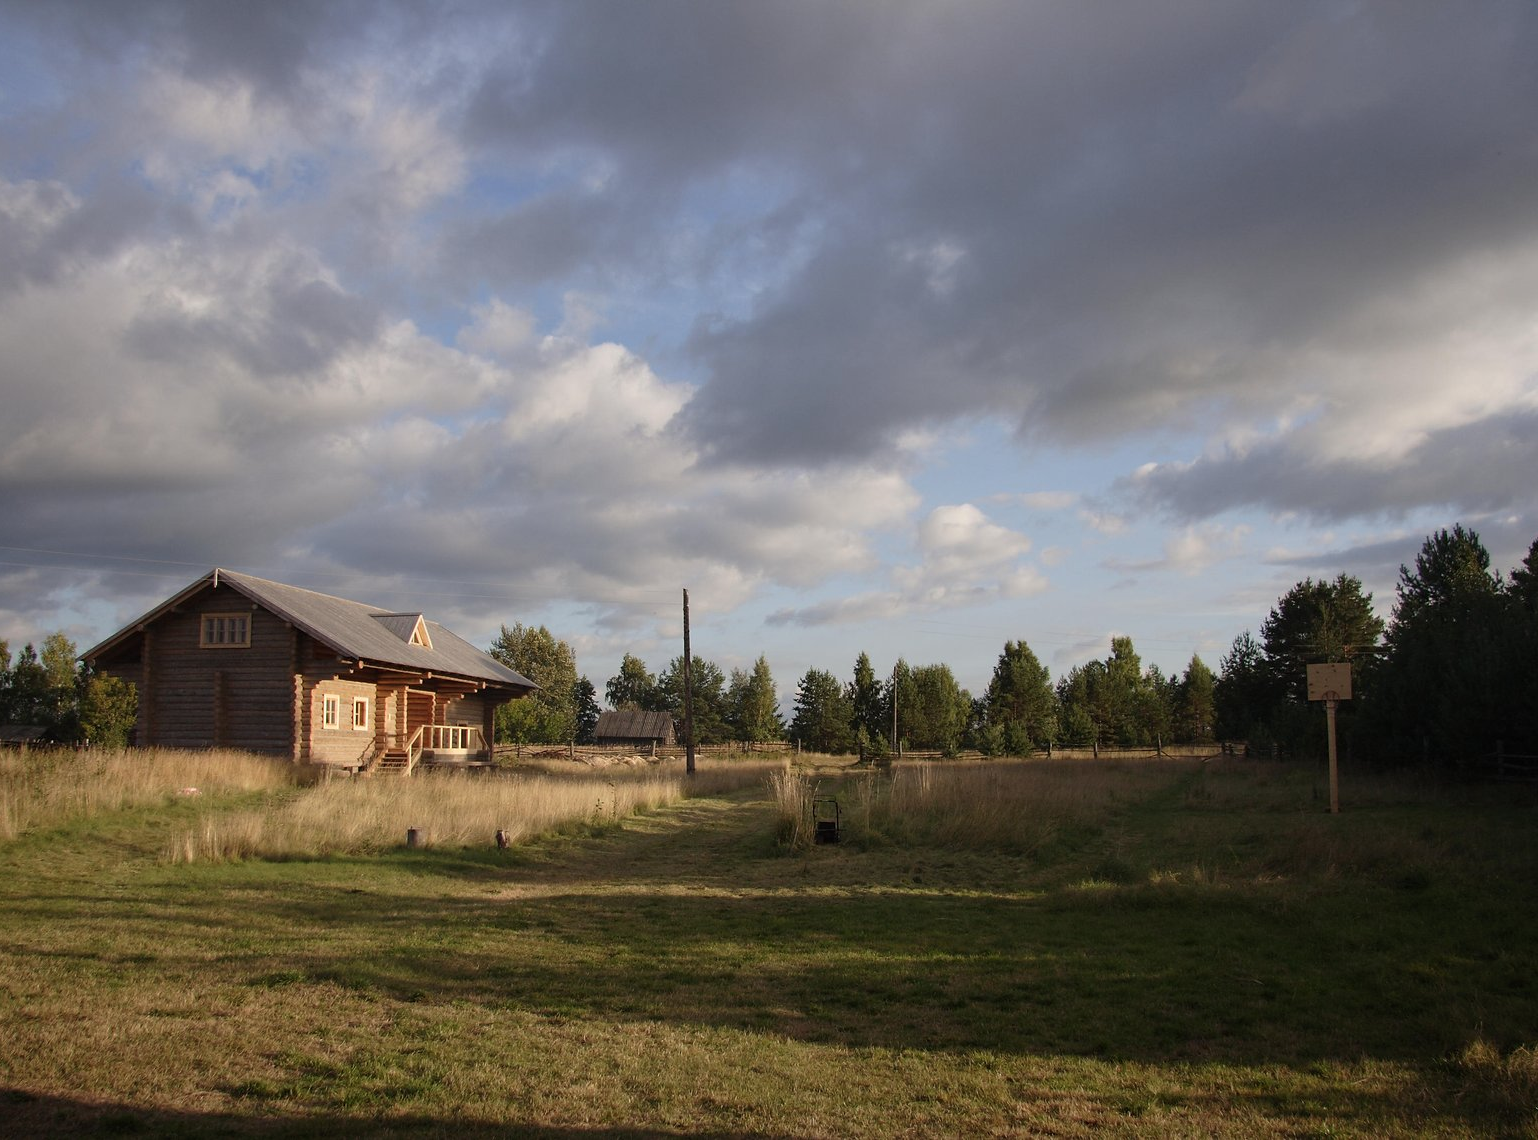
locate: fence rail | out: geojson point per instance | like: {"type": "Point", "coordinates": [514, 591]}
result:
{"type": "Point", "coordinates": [591, 752]}
{"type": "Point", "coordinates": [1511, 767]}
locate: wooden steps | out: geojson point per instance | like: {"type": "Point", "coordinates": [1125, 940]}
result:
{"type": "Point", "coordinates": [394, 762]}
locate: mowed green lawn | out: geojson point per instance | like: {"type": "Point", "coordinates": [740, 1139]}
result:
{"type": "Point", "coordinates": [1212, 954]}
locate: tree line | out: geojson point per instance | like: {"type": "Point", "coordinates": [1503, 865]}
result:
{"type": "Point", "coordinates": [1448, 677]}
{"type": "Point", "coordinates": [1111, 702]}
{"type": "Point", "coordinates": [46, 688]}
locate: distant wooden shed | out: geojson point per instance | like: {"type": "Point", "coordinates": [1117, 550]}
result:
{"type": "Point", "coordinates": [16, 735]}
{"type": "Point", "coordinates": [635, 729]}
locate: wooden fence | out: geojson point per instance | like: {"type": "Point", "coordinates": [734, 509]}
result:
{"type": "Point", "coordinates": [590, 753]}
{"type": "Point", "coordinates": [1508, 767]}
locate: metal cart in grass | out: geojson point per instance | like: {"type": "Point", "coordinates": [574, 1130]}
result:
{"type": "Point", "coordinates": [827, 820]}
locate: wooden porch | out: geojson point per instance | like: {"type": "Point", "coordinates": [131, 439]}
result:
{"type": "Point", "coordinates": [449, 745]}
{"type": "Point", "coordinates": [409, 730]}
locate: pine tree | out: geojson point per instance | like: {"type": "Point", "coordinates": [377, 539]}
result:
{"type": "Point", "coordinates": [1441, 690]}
{"type": "Point", "coordinates": [1196, 704]}
{"type": "Point", "coordinates": [1021, 707]}
{"type": "Point", "coordinates": [823, 713]}
{"type": "Point", "coordinates": [1243, 692]}
{"type": "Point", "coordinates": [754, 705]}
{"type": "Point", "coordinates": [865, 699]}
{"type": "Point", "coordinates": [1317, 622]}
{"type": "Point", "coordinates": [585, 700]}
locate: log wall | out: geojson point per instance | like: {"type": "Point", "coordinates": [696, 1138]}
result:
{"type": "Point", "coordinates": [343, 744]}
{"type": "Point", "coordinates": [192, 697]}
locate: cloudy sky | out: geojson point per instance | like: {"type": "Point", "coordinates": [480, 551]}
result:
{"type": "Point", "coordinates": [896, 327]}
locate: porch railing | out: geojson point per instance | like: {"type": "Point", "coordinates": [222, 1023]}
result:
{"type": "Point", "coordinates": [431, 740]}
{"type": "Point", "coordinates": [414, 748]}
{"type": "Point", "coordinates": [454, 738]}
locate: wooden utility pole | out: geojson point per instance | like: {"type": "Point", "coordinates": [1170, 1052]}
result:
{"type": "Point", "coordinates": [688, 695]}
{"type": "Point", "coordinates": [896, 747]}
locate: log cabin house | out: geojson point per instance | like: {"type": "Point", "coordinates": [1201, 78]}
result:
{"type": "Point", "coordinates": [234, 661]}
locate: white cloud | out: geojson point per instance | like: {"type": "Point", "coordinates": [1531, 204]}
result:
{"type": "Point", "coordinates": [1103, 522]}
{"type": "Point", "coordinates": [965, 559]}
{"type": "Point", "coordinates": [1192, 550]}
{"type": "Point", "coordinates": [1040, 500]}
{"type": "Point", "coordinates": [248, 382]}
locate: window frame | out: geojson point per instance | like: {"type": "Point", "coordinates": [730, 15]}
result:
{"type": "Point", "coordinates": [223, 622]}
{"type": "Point", "coordinates": [364, 724]}
{"type": "Point", "coordinates": [330, 711]}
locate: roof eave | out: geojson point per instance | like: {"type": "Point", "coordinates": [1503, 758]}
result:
{"type": "Point", "coordinates": [138, 624]}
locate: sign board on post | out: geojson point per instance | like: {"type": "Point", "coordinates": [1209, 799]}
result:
{"type": "Point", "coordinates": [1330, 682]}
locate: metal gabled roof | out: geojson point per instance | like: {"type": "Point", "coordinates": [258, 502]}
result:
{"type": "Point", "coordinates": [350, 629]}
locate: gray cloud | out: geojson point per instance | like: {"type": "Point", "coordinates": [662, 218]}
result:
{"type": "Point", "coordinates": [290, 325]}
{"type": "Point", "coordinates": [1476, 468]}
{"type": "Point", "coordinates": [1132, 244]}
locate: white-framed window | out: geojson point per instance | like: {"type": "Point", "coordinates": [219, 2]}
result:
{"type": "Point", "coordinates": [330, 711]}
{"type": "Point", "coordinates": [360, 719]}
{"type": "Point", "coordinates": [225, 631]}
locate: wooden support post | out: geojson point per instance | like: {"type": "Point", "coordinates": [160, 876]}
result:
{"type": "Point", "coordinates": [688, 695]}
{"type": "Point", "coordinates": [147, 692]}
{"type": "Point", "coordinates": [300, 741]}
{"type": "Point", "coordinates": [1329, 716]}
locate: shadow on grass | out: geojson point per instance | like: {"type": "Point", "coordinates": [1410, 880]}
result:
{"type": "Point", "coordinates": [28, 1115]}
{"type": "Point", "coordinates": [1137, 972]}
{"type": "Point", "coordinates": [677, 925]}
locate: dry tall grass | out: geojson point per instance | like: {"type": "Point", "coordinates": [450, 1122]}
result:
{"type": "Point", "coordinates": [713, 775]}
{"type": "Point", "coordinates": [1017, 805]}
{"type": "Point", "coordinates": [445, 809]}
{"type": "Point", "coordinates": [791, 791]}
{"type": "Point", "coordinates": [47, 787]}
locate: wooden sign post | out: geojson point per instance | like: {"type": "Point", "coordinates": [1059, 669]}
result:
{"type": "Point", "coordinates": [1331, 683]}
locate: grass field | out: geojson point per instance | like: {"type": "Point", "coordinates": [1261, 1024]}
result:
{"type": "Point", "coordinates": [1064, 948]}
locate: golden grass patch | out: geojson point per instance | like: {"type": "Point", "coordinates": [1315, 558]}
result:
{"type": "Point", "coordinates": [47, 787]}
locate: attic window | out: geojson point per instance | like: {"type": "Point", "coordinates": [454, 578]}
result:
{"type": "Point", "coordinates": [225, 631]}
{"type": "Point", "coordinates": [410, 628]}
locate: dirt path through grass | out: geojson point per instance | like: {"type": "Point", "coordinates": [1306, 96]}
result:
{"type": "Point", "coordinates": [696, 843]}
